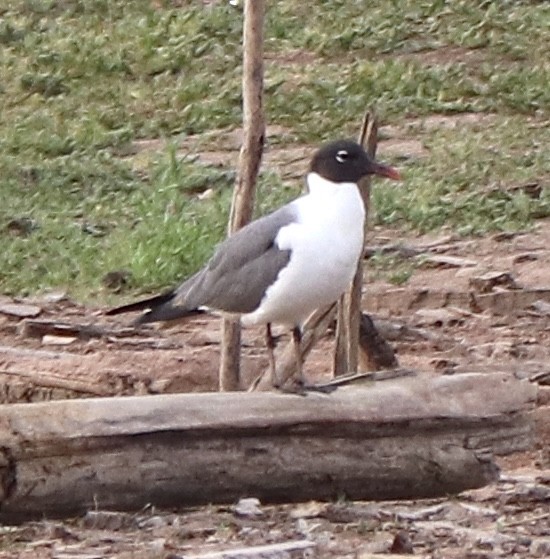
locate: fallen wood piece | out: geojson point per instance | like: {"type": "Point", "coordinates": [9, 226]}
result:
{"type": "Point", "coordinates": [542, 377]}
{"type": "Point", "coordinates": [257, 551]}
{"type": "Point", "coordinates": [375, 376]}
{"type": "Point", "coordinates": [403, 251]}
{"type": "Point", "coordinates": [448, 261]}
{"type": "Point", "coordinates": [410, 251]}
{"type": "Point", "coordinates": [39, 328]}
{"type": "Point", "coordinates": [57, 381]}
{"type": "Point", "coordinates": [20, 310]}
{"type": "Point", "coordinates": [407, 438]}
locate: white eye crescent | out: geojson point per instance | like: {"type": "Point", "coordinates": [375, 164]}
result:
{"type": "Point", "coordinates": [342, 155]}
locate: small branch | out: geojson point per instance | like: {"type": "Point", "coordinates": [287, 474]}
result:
{"type": "Point", "coordinates": [526, 520]}
{"type": "Point", "coordinates": [249, 164]}
{"type": "Point", "coordinates": [374, 376]}
{"type": "Point", "coordinates": [256, 551]}
{"type": "Point", "coordinates": [33, 328]}
{"type": "Point", "coordinates": [349, 330]}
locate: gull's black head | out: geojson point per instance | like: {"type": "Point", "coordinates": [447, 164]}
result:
{"type": "Point", "coordinates": [347, 161]}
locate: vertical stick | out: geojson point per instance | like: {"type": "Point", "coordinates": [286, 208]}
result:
{"type": "Point", "coordinates": [346, 353]}
{"type": "Point", "coordinates": [249, 163]}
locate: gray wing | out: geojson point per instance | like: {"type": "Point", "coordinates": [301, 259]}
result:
{"type": "Point", "coordinates": [242, 268]}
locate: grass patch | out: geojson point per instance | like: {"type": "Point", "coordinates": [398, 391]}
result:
{"type": "Point", "coordinates": [153, 224]}
{"type": "Point", "coordinates": [82, 81]}
{"type": "Point", "coordinates": [391, 268]}
{"type": "Point", "coordinates": [467, 181]}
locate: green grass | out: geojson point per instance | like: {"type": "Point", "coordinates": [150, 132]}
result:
{"type": "Point", "coordinates": [81, 81]}
{"type": "Point", "coordinates": [467, 181]}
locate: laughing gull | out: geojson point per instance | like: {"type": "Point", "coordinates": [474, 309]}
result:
{"type": "Point", "coordinates": [282, 267]}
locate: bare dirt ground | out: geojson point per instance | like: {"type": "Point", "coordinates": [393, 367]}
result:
{"type": "Point", "coordinates": [474, 304]}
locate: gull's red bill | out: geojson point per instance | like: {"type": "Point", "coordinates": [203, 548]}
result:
{"type": "Point", "coordinates": [385, 171]}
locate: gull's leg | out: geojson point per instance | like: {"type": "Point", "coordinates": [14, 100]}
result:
{"type": "Point", "coordinates": [297, 345]}
{"type": "Point", "coordinates": [271, 344]}
{"type": "Point", "coordinates": [300, 384]}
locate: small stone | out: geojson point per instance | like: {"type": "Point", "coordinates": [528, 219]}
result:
{"type": "Point", "coordinates": [248, 508]}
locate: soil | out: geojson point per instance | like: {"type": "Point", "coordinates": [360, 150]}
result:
{"type": "Point", "coordinates": [484, 306]}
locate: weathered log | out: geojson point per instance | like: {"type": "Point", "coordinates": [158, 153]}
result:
{"type": "Point", "coordinates": [406, 438]}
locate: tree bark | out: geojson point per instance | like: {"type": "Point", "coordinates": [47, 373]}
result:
{"type": "Point", "coordinates": [411, 438]}
{"type": "Point", "coordinates": [249, 165]}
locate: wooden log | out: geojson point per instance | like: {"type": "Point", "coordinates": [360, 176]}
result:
{"type": "Point", "coordinates": [408, 438]}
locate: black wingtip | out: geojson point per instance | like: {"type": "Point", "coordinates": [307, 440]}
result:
{"type": "Point", "coordinates": [145, 304]}
{"type": "Point", "coordinates": [166, 313]}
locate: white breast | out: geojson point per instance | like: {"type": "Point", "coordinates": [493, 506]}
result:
{"type": "Point", "coordinates": [326, 242]}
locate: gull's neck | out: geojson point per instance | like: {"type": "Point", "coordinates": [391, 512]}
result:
{"type": "Point", "coordinates": [319, 186]}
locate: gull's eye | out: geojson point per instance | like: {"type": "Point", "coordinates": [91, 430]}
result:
{"type": "Point", "coordinates": [342, 156]}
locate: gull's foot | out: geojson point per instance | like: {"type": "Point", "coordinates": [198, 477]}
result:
{"type": "Point", "coordinates": [291, 386]}
{"type": "Point", "coordinates": [301, 387]}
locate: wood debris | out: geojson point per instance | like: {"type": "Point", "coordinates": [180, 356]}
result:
{"type": "Point", "coordinates": [20, 310]}
{"type": "Point", "coordinates": [491, 280]}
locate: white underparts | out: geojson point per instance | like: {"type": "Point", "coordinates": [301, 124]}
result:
{"type": "Point", "coordinates": [325, 242]}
